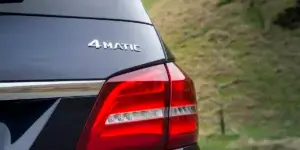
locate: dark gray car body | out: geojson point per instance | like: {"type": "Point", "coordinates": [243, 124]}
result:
{"type": "Point", "coordinates": [50, 78]}
{"type": "Point", "coordinates": [48, 39]}
{"type": "Point", "coordinates": [51, 48]}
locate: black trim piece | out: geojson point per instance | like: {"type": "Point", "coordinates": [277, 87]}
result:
{"type": "Point", "coordinates": [10, 1]}
{"type": "Point", "coordinates": [20, 115]}
{"type": "Point", "coordinates": [191, 147]}
{"type": "Point", "coordinates": [170, 57]}
{"type": "Point", "coordinates": [168, 54]}
{"type": "Point", "coordinates": [158, 62]}
{"type": "Point", "coordinates": [65, 125]}
{"type": "Point", "coordinates": [73, 17]}
{"type": "Point", "coordinates": [167, 108]}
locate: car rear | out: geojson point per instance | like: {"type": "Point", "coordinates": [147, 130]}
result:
{"type": "Point", "coordinates": [90, 75]}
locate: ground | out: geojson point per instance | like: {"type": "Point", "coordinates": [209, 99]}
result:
{"type": "Point", "coordinates": [238, 59]}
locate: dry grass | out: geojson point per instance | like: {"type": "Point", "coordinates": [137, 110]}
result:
{"type": "Point", "coordinates": [251, 144]}
{"type": "Point", "coordinates": [236, 57]}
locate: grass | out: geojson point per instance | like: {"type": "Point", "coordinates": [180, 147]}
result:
{"type": "Point", "coordinates": [237, 57]}
{"type": "Point", "coordinates": [149, 3]}
{"type": "Point", "coordinates": [224, 2]}
{"type": "Point", "coordinates": [217, 142]}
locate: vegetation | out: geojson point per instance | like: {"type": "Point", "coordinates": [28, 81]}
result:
{"type": "Point", "coordinates": [240, 58]}
{"type": "Point", "coordinates": [149, 3]}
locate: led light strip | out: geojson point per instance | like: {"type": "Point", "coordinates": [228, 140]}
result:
{"type": "Point", "coordinates": [135, 116]}
{"type": "Point", "coordinates": [183, 110]}
{"type": "Point", "coordinates": [149, 114]}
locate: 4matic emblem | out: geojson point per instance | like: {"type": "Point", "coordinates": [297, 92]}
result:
{"type": "Point", "coordinates": [115, 46]}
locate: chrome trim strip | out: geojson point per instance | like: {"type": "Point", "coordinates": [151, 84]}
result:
{"type": "Point", "coordinates": [51, 89]}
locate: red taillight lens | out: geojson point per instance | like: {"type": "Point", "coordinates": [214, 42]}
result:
{"type": "Point", "coordinates": [134, 111]}
{"type": "Point", "coordinates": [183, 126]}
{"type": "Point", "coordinates": [130, 111]}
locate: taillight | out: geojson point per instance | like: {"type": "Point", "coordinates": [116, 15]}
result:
{"type": "Point", "coordinates": [133, 112]}
{"type": "Point", "coordinates": [183, 124]}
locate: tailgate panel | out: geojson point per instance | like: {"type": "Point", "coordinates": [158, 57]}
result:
{"type": "Point", "coordinates": [49, 48]}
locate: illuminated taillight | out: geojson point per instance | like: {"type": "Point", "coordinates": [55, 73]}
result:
{"type": "Point", "coordinates": [183, 121]}
{"type": "Point", "coordinates": [143, 109]}
{"type": "Point", "coordinates": [130, 112]}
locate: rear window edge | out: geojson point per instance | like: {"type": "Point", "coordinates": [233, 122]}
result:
{"type": "Point", "coordinates": [74, 17]}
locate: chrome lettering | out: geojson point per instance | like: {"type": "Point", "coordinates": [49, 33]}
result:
{"type": "Point", "coordinates": [126, 46]}
{"type": "Point", "coordinates": [94, 43]}
{"type": "Point", "coordinates": [131, 47]}
{"type": "Point", "coordinates": [136, 48]}
{"type": "Point", "coordinates": [114, 46]}
{"type": "Point", "coordinates": [107, 45]}
{"type": "Point", "coordinates": [118, 46]}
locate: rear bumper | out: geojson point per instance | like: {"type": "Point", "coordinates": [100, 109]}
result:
{"type": "Point", "coordinates": [191, 147]}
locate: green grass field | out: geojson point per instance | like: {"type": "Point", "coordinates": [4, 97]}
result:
{"type": "Point", "coordinates": [238, 58]}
